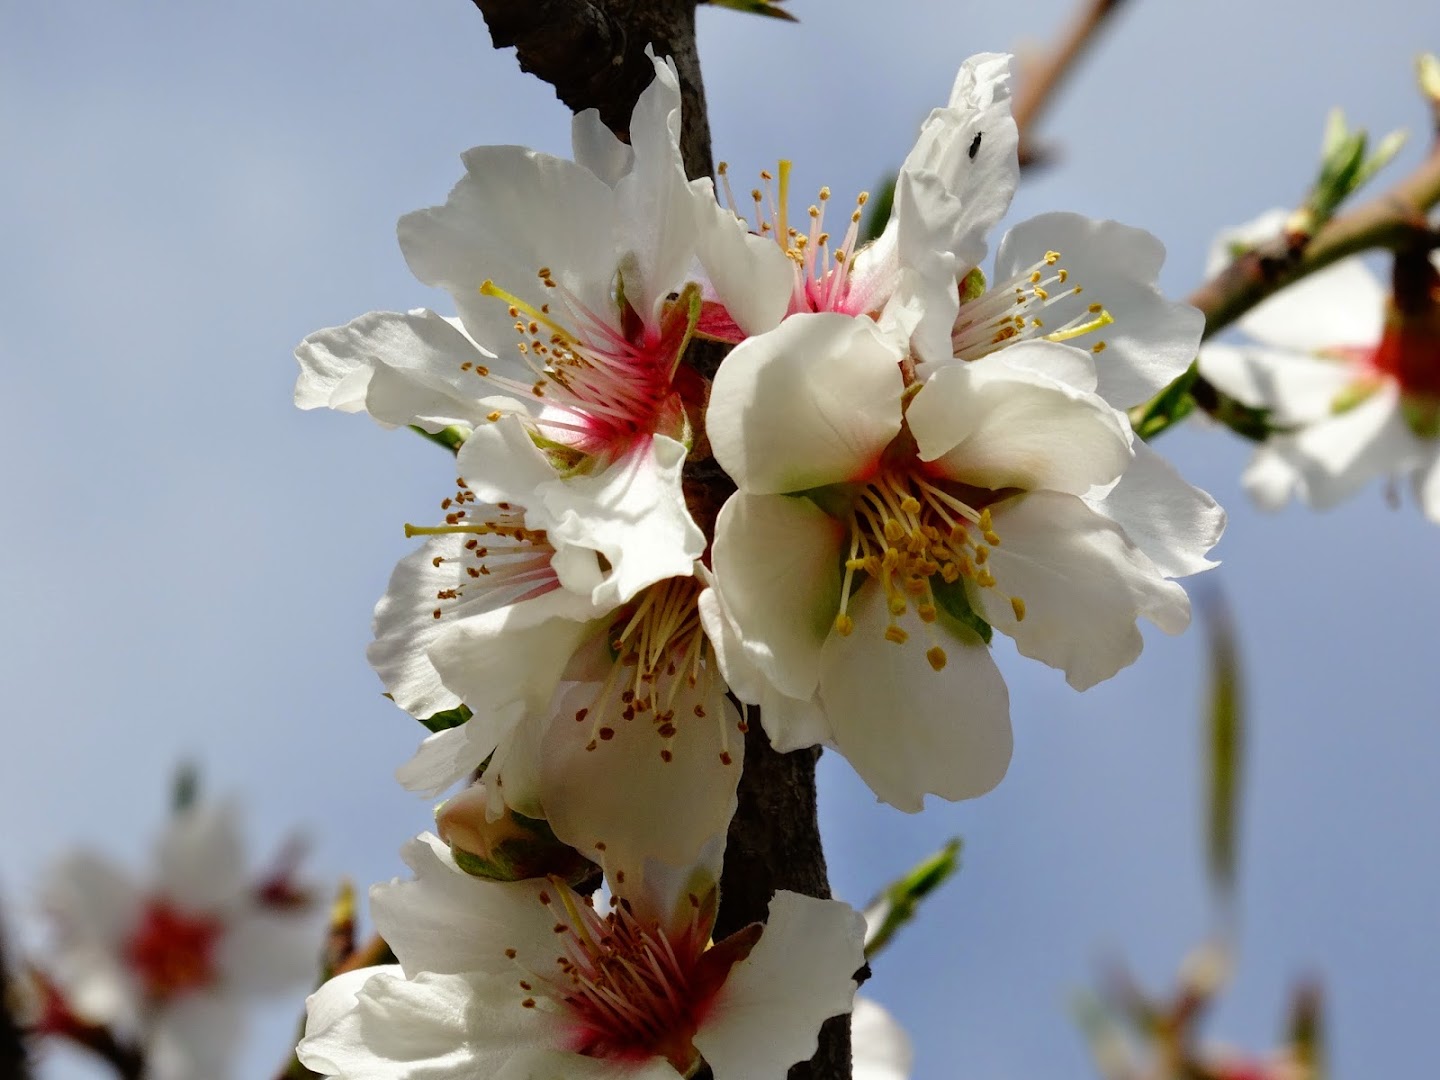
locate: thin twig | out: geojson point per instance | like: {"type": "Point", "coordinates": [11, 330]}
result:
{"type": "Point", "coordinates": [1042, 78]}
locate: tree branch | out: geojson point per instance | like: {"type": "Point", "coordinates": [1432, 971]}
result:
{"type": "Point", "coordinates": [1042, 78]}
{"type": "Point", "coordinates": [592, 52]}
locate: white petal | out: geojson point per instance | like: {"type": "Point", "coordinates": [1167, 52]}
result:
{"type": "Point", "coordinates": [1271, 478]}
{"type": "Point", "coordinates": [430, 1028]}
{"type": "Point", "coordinates": [501, 463]}
{"type": "Point", "coordinates": [1343, 304]}
{"type": "Point", "coordinates": [623, 794]}
{"type": "Point", "coordinates": [657, 235]}
{"type": "Point", "coordinates": [814, 401]}
{"type": "Point", "coordinates": [331, 1003]}
{"type": "Point", "coordinates": [881, 1049]}
{"type": "Point", "coordinates": [633, 513]}
{"type": "Point", "coordinates": [400, 368]}
{"type": "Point", "coordinates": [595, 146]}
{"type": "Point", "coordinates": [201, 858]}
{"type": "Point", "coordinates": [1083, 584]}
{"type": "Point", "coordinates": [1171, 521]}
{"type": "Point", "coordinates": [1427, 486]}
{"type": "Point", "coordinates": [559, 1065]}
{"type": "Point", "coordinates": [751, 276]}
{"type": "Point", "coordinates": [1298, 388]}
{"type": "Point", "coordinates": [269, 952]}
{"type": "Point", "coordinates": [514, 212]}
{"type": "Point", "coordinates": [767, 1016]}
{"type": "Point", "coordinates": [905, 728]}
{"type": "Point", "coordinates": [446, 921]}
{"type": "Point", "coordinates": [776, 560]}
{"type": "Point", "coordinates": [954, 185]}
{"type": "Point", "coordinates": [1339, 456]}
{"type": "Point", "coordinates": [446, 757]}
{"type": "Point", "coordinates": [91, 899]}
{"type": "Point", "coordinates": [1153, 340]}
{"type": "Point", "coordinates": [193, 1036]}
{"type": "Point", "coordinates": [996, 426]}
{"type": "Point", "coordinates": [405, 626]}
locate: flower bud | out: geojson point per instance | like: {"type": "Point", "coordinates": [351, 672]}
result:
{"type": "Point", "coordinates": [508, 848]}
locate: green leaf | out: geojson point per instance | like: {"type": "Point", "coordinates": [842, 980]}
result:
{"type": "Point", "coordinates": [450, 718]}
{"type": "Point", "coordinates": [757, 7]}
{"type": "Point", "coordinates": [1168, 407]}
{"type": "Point", "coordinates": [950, 596]}
{"type": "Point", "coordinates": [900, 900]}
{"type": "Point", "coordinates": [1225, 736]}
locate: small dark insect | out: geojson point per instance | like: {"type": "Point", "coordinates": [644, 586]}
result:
{"type": "Point", "coordinates": [975, 144]}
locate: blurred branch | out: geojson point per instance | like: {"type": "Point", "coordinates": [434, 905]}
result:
{"type": "Point", "coordinates": [339, 948]}
{"type": "Point", "coordinates": [1225, 738]}
{"type": "Point", "coordinates": [14, 1060]}
{"type": "Point", "coordinates": [1042, 78]}
{"type": "Point", "coordinates": [59, 1021]}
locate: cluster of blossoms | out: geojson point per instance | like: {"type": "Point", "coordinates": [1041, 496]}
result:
{"type": "Point", "coordinates": [921, 454]}
{"type": "Point", "coordinates": [1348, 371]}
{"type": "Point", "coordinates": [167, 965]}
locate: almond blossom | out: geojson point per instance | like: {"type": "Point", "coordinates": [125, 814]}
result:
{"type": "Point", "coordinates": [1350, 373]}
{"type": "Point", "coordinates": [572, 280]}
{"type": "Point", "coordinates": [881, 529]}
{"type": "Point", "coordinates": [171, 962]}
{"type": "Point", "coordinates": [880, 1048]}
{"type": "Point", "coordinates": [531, 980]}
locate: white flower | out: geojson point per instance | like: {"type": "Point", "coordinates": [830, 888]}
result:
{"type": "Point", "coordinates": [880, 1047]}
{"type": "Point", "coordinates": [1350, 375]}
{"type": "Point", "coordinates": [531, 981]}
{"type": "Point", "coordinates": [954, 185]}
{"type": "Point", "coordinates": [565, 695]}
{"type": "Point", "coordinates": [572, 283]}
{"type": "Point", "coordinates": [170, 962]}
{"type": "Point", "coordinates": [880, 530]}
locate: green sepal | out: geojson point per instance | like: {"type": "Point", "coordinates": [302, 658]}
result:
{"type": "Point", "coordinates": [972, 285]}
{"type": "Point", "coordinates": [882, 205]}
{"type": "Point", "coordinates": [449, 718]}
{"type": "Point", "coordinates": [451, 438]}
{"type": "Point", "coordinates": [952, 600]}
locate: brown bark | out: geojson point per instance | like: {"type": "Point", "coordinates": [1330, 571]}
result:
{"type": "Point", "coordinates": [593, 53]}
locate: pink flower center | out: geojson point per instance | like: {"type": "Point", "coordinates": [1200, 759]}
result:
{"type": "Point", "coordinates": [822, 280]}
{"type": "Point", "coordinates": [605, 389]}
{"type": "Point", "coordinates": [173, 952]}
{"type": "Point", "coordinates": [631, 990]}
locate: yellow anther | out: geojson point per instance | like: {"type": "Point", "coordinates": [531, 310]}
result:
{"type": "Point", "coordinates": [844, 625]}
{"type": "Point", "coordinates": [895, 634]}
{"type": "Point", "coordinates": [1051, 258]}
{"type": "Point", "coordinates": [982, 554]}
{"type": "Point", "coordinates": [950, 572]}
{"type": "Point", "coordinates": [984, 578]}
{"type": "Point", "coordinates": [814, 211]}
{"type": "Point", "coordinates": [890, 560]}
{"type": "Point", "coordinates": [493, 416]}
{"type": "Point", "coordinates": [897, 604]}
{"type": "Point", "coordinates": [1018, 606]}
{"type": "Point", "coordinates": [910, 504]}
{"type": "Point", "coordinates": [1098, 347]}
{"type": "Point", "coordinates": [893, 530]}
{"type": "Point", "coordinates": [1095, 309]}
{"type": "Point", "coordinates": [985, 523]}
{"type": "Point", "coordinates": [992, 538]}
{"type": "Point", "coordinates": [824, 193]}
{"type": "Point", "coordinates": [855, 564]}
{"type": "Point", "coordinates": [1035, 278]}
{"type": "Point", "coordinates": [927, 612]}
{"type": "Point", "coordinates": [916, 587]}
{"type": "Point", "coordinates": [862, 198]}
{"type": "Point", "coordinates": [1063, 275]}
{"type": "Point", "coordinates": [1041, 294]}
{"type": "Point", "coordinates": [936, 655]}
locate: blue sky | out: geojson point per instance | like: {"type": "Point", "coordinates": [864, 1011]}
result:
{"type": "Point", "coordinates": [189, 564]}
